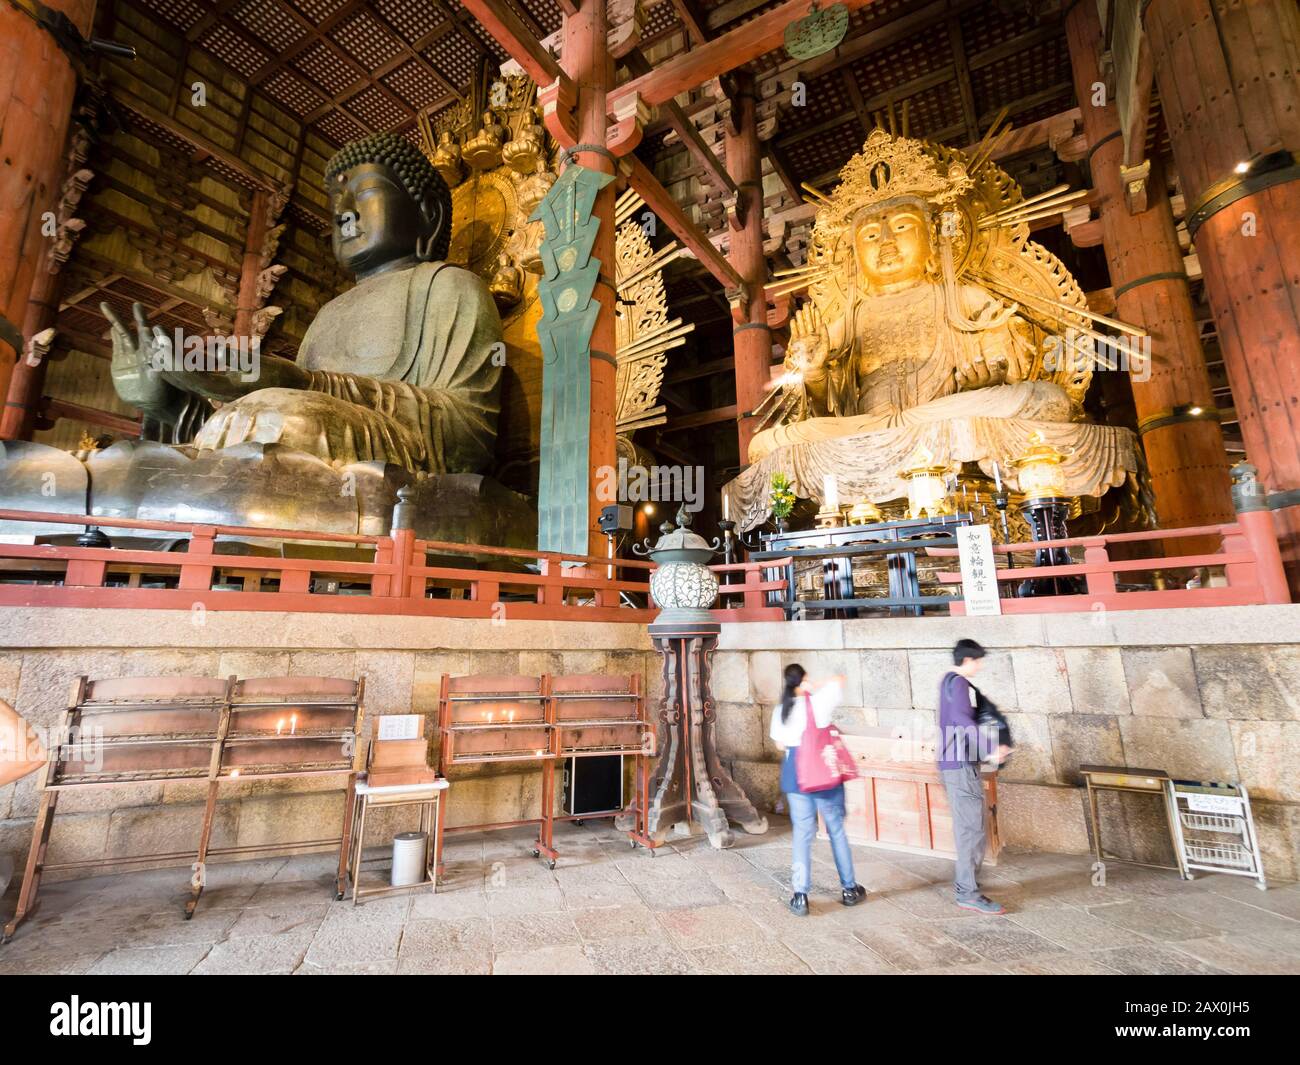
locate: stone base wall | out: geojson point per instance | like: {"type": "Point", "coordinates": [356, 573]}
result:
{"type": "Point", "coordinates": [403, 659]}
{"type": "Point", "coordinates": [1210, 694]}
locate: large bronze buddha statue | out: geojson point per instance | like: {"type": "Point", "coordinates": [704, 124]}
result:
{"type": "Point", "coordinates": [405, 368]}
{"type": "Point", "coordinates": [932, 326]}
{"type": "Point", "coordinates": [397, 383]}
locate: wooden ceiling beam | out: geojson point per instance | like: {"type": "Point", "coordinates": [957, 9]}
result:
{"type": "Point", "coordinates": [705, 417]}
{"type": "Point", "coordinates": [690, 15]}
{"type": "Point", "coordinates": [718, 56]}
{"type": "Point", "coordinates": [503, 25]}
{"type": "Point", "coordinates": [692, 237]}
{"type": "Point", "coordinates": [1045, 133]}
{"type": "Point", "coordinates": [894, 96]}
{"type": "Point", "coordinates": [686, 131]}
{"type": "Point", "coordinates": [964, 87]}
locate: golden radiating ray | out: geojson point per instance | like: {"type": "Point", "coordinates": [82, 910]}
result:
{"type": "Point", "coordinates": [656, 339]}
{"type": "Point", "coordinates": [657, 261]}
{"type": "Point", "coordinates": [1018, 294]}
{"type": "Point", "coordinates": [1016, 208]}
{"type": "Point", "coordinates": [814, 191]}
{"type": "Point", "coordinates": [813, 268]}
{"type": "Point", "coordinates": [1039, 210]}
{"type": "Point", "coordinates": [986, 145]}
{"type": "Point", "coordinates": [784, 288]}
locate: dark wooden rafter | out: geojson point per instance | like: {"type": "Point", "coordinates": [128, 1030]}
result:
{"type": "Point", "coordinates": [964, 88]}
{"type": "Point", "coordinates": [693, 19]}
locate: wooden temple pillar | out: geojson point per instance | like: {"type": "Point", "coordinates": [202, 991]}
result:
{"type": "Point", "coordinates": [37, 86]}
{"type": "Point", "coordinates": [590, 66]}
{"type": "Point", "coordinates": [1231, 100]}
{"type": "Point", "coordinates": [248, 301]}
{"type": "Point", "coordinates": [1184, 450]}
{"type": "Point", "coordinates": [751, 335]}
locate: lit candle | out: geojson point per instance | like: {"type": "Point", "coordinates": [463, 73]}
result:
{"type": "Point", "coordinates": [726, 508]}
{"type": "Point", "coordinates": [293, 724]}
{"type": "Point", "coordinates": [279, 726]}
{"type": "Point", "coordinates": [511, 717]}
{"type": "Point", "coordinates": [997, 476]}
{"type": "Point", "coordinates": [830, 492]}
{"type": "Point", "coordinates": [234, 772]}
{"type": "Point", "coordinates": [489, 717]}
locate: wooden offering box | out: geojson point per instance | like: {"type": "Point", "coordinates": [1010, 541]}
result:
{"type": "Point", "coordinates": [600, 715]}
{"type": "Point", "coordinates": [899, 801]}
{"type": "Point", "coordinates": [494, 719]}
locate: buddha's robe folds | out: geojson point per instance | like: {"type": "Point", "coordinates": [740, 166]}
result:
{"type": "Point", "coordinates": [404, 368]}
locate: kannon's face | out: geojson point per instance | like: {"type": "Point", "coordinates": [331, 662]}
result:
{"type": "Point", "coordinates": [375, 220]}
{"type": "Point", "coordinates": [892, 248]}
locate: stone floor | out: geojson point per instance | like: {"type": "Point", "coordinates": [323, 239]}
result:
{"type": "Point", "coordinates": [687, 909]}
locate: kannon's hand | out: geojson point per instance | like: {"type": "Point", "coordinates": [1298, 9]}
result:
{"type": "Point", "coordinates": [138, 359]}
{"type": "Point", "coordinates": [809, 348]}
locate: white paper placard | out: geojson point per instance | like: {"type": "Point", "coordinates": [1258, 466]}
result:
{"type": "Point", "coordinates": [400, 726]}
{"type": "Point", "coordinates": [979, 583]}
{"type": "Point", "coordinates": [1214, 804]}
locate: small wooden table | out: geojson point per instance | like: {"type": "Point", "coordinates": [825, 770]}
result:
{"type": "Point", "coordinates": [429, 798]}
{"type": "Point", "coordinates": [1141, 781]}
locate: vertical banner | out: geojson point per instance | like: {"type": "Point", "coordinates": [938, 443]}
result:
{"type": "Point", "coordinates": [979, 585]}
{"type": "Point", "coordinates": [569, 312]}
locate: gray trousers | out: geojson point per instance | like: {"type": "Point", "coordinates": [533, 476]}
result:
{"type": "Point", "coordinates": [966, 803]}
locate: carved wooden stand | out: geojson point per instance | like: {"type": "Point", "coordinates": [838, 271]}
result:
{"type": "Point", "coordinates": [690, 785]}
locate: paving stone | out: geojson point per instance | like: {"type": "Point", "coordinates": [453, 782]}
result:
{"type": "Point", "coordinates": [175, 960]}
{"type": "Point", "coordinates": [455, 963]}
{"type": "Point", "coordinates": [615, 922]}
{"type": "Point", "coordinates": [638, 957]}
{"type": "Point", "coordinates": [536, 899]}
{"type": "Point", "coordinates": [531, 931]}
{"type": "Point", "coordinates": [1230, 915]}
{"type": "Point", "coordinates": [257, 954]}
{"type": "Point", "coordinates": [1152, 960]}
{"type": "Point", "coordinates": [833, 955]}
{"type": "Point", "coordinates": [675, 894]}
{"type": "Point", "coordinates": [277, 921]}
{"type": "Point", "coordinates": [356, 946]}
{"type": "Point", "coordinates": [997, 939]}
{"type": "Point", "coordinates": [449, 905]}
{"type": "Point", "coordinates": [548, 961]}
{"type": "Point", "coordinates": [1151, 919]}
{"type": "Point", "coordinates": [745, 957]}
{"type": "Point", "coordinates": [704, 926]}
{"type": "Point", "coordinates": [1060, 965]}
{"type": "Point", "coordinates": [1241, 955]}
{"type": "Point", "coordinates": [1072, 929]}
{"type": "Point", "coordinates": [913, 945]}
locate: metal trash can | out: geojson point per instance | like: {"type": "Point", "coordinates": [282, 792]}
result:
{"type": "Point", "coordinates": [409, 849]}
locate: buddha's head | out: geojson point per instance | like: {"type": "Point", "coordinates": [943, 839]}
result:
{"type": "Point", "coordinates": [892, 246]}
{"type": "Point", "coordinates": [388, 205]}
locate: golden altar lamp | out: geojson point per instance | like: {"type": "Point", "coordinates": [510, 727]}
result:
{"type": "Point", "coordinates": [1040, 469]}
{"type": "Point", "coordinates": [927, 489]}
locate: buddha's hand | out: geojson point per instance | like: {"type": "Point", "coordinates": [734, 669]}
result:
{"type": "Point", "coordinates": [810, 346]}
{"type": "Point", "coordinates": [139, 359]}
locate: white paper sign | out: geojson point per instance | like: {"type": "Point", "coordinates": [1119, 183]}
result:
{"type": "Point", "coordinates": [979, 584]}
{"type": "Point", "coordinates": [1214, 804]}
{"type": "Point", "coordinates": [400, 726]}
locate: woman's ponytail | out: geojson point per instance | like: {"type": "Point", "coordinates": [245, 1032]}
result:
{"type": "Point", "coordinates": [793, 677]}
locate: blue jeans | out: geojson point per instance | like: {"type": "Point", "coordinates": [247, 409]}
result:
{"type": "Point", "coordinates": [804, 808]}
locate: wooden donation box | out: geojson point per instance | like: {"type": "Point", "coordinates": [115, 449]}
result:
{"type": "Point", "coordinates": [898, 801]}
{"type": "Point", "coordinates": [129, 730]}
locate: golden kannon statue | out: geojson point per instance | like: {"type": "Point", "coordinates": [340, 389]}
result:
{"type": "Point", "coordinates": [931, 323]}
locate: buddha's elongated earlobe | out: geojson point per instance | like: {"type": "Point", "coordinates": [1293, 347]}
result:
{"type": "Point", "coordinates": [424, 247]}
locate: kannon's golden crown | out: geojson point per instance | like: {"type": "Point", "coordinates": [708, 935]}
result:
{"type": "Point", "coordinates": [889, 167]}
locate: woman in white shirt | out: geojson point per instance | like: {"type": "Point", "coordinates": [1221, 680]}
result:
{"type": "Point", "coordinates": [789, 719]}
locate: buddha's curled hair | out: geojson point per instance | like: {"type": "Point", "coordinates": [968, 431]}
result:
{"type": "Point", "coordinates": [412, 169]}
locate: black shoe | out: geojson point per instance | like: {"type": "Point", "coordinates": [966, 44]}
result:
{"type": "Point", "coordinates": [799, 905]}
{"type": "Point", "coordinates": [853, 895]}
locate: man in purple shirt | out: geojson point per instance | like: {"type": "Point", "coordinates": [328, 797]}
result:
{"type": "Point", "coordinates": [960, 751]}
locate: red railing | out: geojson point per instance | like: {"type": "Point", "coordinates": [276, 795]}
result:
{"type": "Point", "coordinates": [395, 579]}
{"type": "Point", "coordinates": [1249, 557]}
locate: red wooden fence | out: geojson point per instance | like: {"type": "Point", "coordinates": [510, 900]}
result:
{"type": "Point", "coordinates": [395, 579]}
{"type": "Point", "coordinates": [1249, 557]}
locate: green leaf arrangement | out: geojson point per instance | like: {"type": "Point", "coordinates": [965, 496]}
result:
{"type": "Point", "coordinates": [782, 498]}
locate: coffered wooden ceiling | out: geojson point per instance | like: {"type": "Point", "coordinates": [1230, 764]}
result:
{"type": "Point", "coordinates": [348, 67]}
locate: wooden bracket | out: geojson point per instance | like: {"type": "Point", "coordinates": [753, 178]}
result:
{"type": "Point", "coordinates": [558, 100]}
{"type": "Point", "coordinates": [1135, 185]}
{"type": "Point", "coordinates": [630, 117]}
